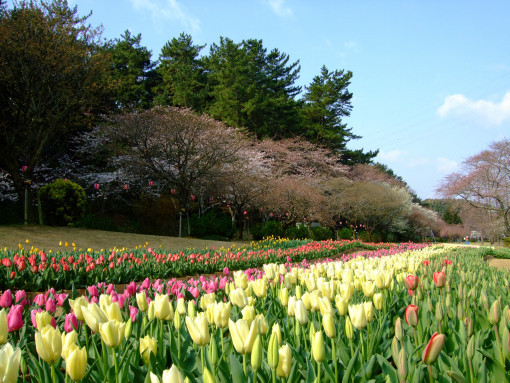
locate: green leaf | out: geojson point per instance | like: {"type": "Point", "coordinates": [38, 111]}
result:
{"type": "Point", "coordinates": [236, 370]}
{"type": "Point", "coordinates": [350, 366]}
{"type": "Point", "coordinates": [387, 368]}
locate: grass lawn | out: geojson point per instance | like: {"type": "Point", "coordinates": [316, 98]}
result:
{"type": "Point", "coordinates": [45, 237]}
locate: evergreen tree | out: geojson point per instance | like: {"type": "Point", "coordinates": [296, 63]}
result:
{"type": "Point", "coordinates": [183, 79]}
{"type": "Point", "coordinates": [132, 72]}
{"type": "Point", "coordinates": [327, 102]}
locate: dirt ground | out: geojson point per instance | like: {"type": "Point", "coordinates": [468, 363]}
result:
{"type": "Point", "coordinates": [500, 263]}
{"type": "Point", "coordinates": [44, 237]}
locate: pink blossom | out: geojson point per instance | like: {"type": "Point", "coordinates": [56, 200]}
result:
{"type": "Point", "coordinates": [131, 289]}
{"type": "Point", "coordinates": [146, 284]}
{"type": "Point", "coordinates": [226, 271]}
{"type": "Point", "coordinates": [94, 300]}
{"type": "Point", "coordinates": [51, 306]}
{"type": "Point", "coordinates": [15, 318]}
{"type": "Point", "coordinates": [32, 316]}
{"type": "Point", "coordinates": [50, 291]}
{"type": "Point", "coordinates": [110, 289]}
{"type": "Point", "coordinates": [6, 299]}
{"type": "Point", "coordinates": [61, 298]}
{"type": "Point", "coordinates": [93, 292]}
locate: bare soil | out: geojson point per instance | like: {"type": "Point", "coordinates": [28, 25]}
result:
{"type": "Point", "coordinates": [48, 238]}
{"type": "Point", "coordinates": [500, 263]}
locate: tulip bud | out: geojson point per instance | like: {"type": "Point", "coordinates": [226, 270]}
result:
{"type": "Point", "coordinates": [349, 331]}
{"type": "Point", "coordinates": [10, 361]}
{"type": "Point", "coordinates": [277, 330]}
{"type": "Point", "coordinates": [328, 323]}
{"type": "Point", "coordinates": [395, 349]}
{"type": "Point", "coordinates": [151, 311]}
{"type": "Point", "coordinates": [181, 306]}
{"type": "Point", "coordinates": [48, 343]}
{"type": "Point", "coordinates": [439, 312]}
{"type": "Point", "coordinates": [439, 279]}
{"type": "Point", "coordinates": [447, 286]}
{"type": "Point", "coordinates": [495, 313]}
{"type": "Point", "coordinates": [128, 329]}
{"type": "Point", "coordinates": [256, 354]}
{"type": "Point", "coordinates": [208, 378]}
{"type": "Point", "coordinates": [172, 375]}
{"type": "Point", "coordinates": [284, 361]}
{"type": "Point", "coordinates": [433, 348]}
{"type": "Point", "coordinates": [430, 306]}
{"type": "Point", "coordinates": [341, 305]}
{"type": "Point", "coordinates": [448, 302]}
{"type": "Point", "coordinates": [141, 301]}
{"type": "Point", "coordinates": [460, 310]}
{"type": "Point", "coordinates": [301, 313]}
{"type": "Point", "coordinates": [213, 351]}
{"type": "Point", "coordinates": [378, 301]}
{"type": "Point", "coordinates": [148, 345]}
{"type": "Point", "coordinates": [283, 295]}
{"type": "Point", "coordinates": [402, 363]}
{"type": "Point", "coordinates": [3, 327]}
{"type": "Point", "coordinates": [506, 343]}
{"type": "Point", "coordinates": [484, 299]}
{"type": "Point", "coordinates": [198, 329]}
{"type": "Point", "coordinates": [248, 314]}
{"type": "Point", "coordinates": [272, 350]}
{"type": "Point", "coordinates": [411, 282]}
{"type": "Point", "coordinates": [411, 315]}
{"type": "Point", "coordinates": [263, 326]}
{"type": "Point", "coordinates": [298, 292]}
{"type": "Point", "coordinates": [469, 326]}
{"type": "Point", "coordinates": [470, 351]}
{"type": "Point", "coordinates": [318, 349]}
{"type": "Point", "coordinates": [399, 331]}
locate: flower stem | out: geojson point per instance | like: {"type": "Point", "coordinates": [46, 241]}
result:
{"type": "Point", "coordinates": [318, 372]}
{"type": "Point", "coordinates": [244, 365]}
{"type": "Point", "coordinates": [202, 357]}
{"type": "Point", "coordinates": [431, 378]}
{"type": "Point", "coordinates": [500, 353]}
{"type": "Point", "coordinates": [53, 373]}
{"type": "Point", "coordinates": [333, 351]}
{"type": "Point", "coordinates": [274, 375]}
{"type": "Point", "coordinates": [116, 365]}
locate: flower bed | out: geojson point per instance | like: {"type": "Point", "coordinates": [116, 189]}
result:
{"type": "Point", "coordinates": [410, 316]}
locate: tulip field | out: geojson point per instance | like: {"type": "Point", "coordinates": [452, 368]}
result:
{"type": "Point", "coordinates": [297, 311]}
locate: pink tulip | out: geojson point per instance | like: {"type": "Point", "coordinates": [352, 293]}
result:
{"type": "Point", "coordinates": [226, 271]}
{"type": "Point", "coordinates": [71, 323]}
{"type": "Point", "coordinates": [146, 284]}
{"type": "Point", "coordinates": [110, 289]}
{"type": "Point", "coordinates": [51, 306]}
{"type": "Point", "coordinates": [94, 300]}
{"type": "Point", "coordinates": [50, 291]}
{"type": "Point", "coordinates": [131, 289]}
{"type": "Point", "coordinates": [15, 318]}
{"type": "Point", "coordinates": [40, 300]}
{"type": "Point", "coordinates": [120, 299]}
{"type": "Point", "coordinates": [6, 299]}
{"type": "Point", "coordinates": [93, 292]}
{"type": "Point", "coordinates": [32, 316]}
{"type": "Point", "coordinates": [21, 297]}
{"type": "Point", "coordinates": [61, 298]}
{"type": "Point", "coordinates": [133, 311]}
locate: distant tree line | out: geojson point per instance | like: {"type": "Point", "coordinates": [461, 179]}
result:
{"type": "Point", "coordinates": [191, 133]}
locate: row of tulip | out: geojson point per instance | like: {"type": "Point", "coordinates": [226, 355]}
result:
{"type": "Point", "coordinates": [36, 270]}
{"type": "Point", "coordinates": [437, 314]}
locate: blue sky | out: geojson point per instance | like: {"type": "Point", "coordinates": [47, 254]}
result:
{"type": "Point", "coordinates": [431, 79]}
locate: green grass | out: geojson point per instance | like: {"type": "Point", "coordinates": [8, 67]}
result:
{"type": "Point", "coordinates": [48, 238]}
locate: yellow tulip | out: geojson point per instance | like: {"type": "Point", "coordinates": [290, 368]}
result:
{"type": "Point", "coordinates": [301, 313]}
{"type": "Point", "coordinates": [69, 343]}
{"type": "Point", "coordinates": [207, 300]}
{"type": "Point", "coordinates": [369, 310]}
{"type": "Point", "coordinates": [177, 320]}
{"type": "Point", "coordinates": [76, 364]}
{"type": "Point", "coordinates": [192, 312]}
{"type": "Point", "coordinates": [141, 301]}
{"type": "Point", "coordinates": [263, 326]}
{"type": "Point", "coordinates": [256, 355]}
{"type": "Point", "coordinates": [9, 363]}
{"type": "Point", "coordinates": [284, 361]}
{"type": "Point", "coordinates": [105, 300]}
{"type": "Point", "coordinates": [318, 348]}
{"type": "Point", "coordinates": [3, 327]}
{"type": "Point", "coordinates": [48, 343]}
{"type": "Point", "coordinates": [272, 351]}
{"type": "Point", "coordinates": [113, 312]}
{"type": "Point", "coordinates": [277, 330]}
{"type": "Point", "coordinates": [306, 300]}
{"type": "Point", "coordinates": [358, 316]}
{"type": "Point", "coordinates": [341, 305]}
{"type": "Point", "coordinates": [162, 307]}
{"type": "Point", "coordinates": [248, 314]}
{"type": "Point", "coordinates": [243, 336]}
{"type": "Point", "coordinates": [207, 376]}
{"type": "Point", "coordinates": [148, 345]}
{"type": "Point", "coordinates": [198, 329]}
{"type": "Point", "coordinates": [93, 316]}
{"type": "Point", "coordinates": [349, 332]}
{"type": "Point", "coordinates": [151, 311]}
{"type": "Point", "coordinates": [172, 375]}
{"type": "Point", "coordinates": [222, 314]}
{"type": "Point", "coordinates": [325, 306]}
{"type": "Point", "coordinates": [240, 278]}
{"type": "Point", "coordinates": [43, 319]}
{"type": "Point", "coordinates": [77, 305]}
{"type": "Point", "coordinates": [112, 333]}
{"type": "Point", "coordinates": [368, 289]}
{"type": "Point", "coordinates": [238, 298]}
{"type": "Point", "coordinates": [181, 306]}
{"type": "Point", "coordinates": [291, 307]}
{"type": "Point", "coordinates": [328, 322]}
{"type": "Point", "coordinates": [378, 301]}
{"type": "Point", "coordinates": [283, 296]}
{"type": "Point", "coordinates": [260, 287]}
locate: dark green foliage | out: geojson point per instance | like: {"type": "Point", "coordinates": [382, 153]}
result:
{"type": "Point", "coordinates": [345, 233]}
{"type": "Point", "coordinates": [451, 215]}
{"type": "Point", "coordinates": [269, 229]}
{"type": "Point", "coordinates": [297, 232]}
{"type": "Point", "coordinates": [213, 223]}
{"type": "Point", "coordinates": [9, 213]}
{"type": "Point", "coordinates": [63, 202]}
{"type": "Point", "coordinates": [506, 241]}
{"type": "Point", "coordinates": [321, 233]}
{"type": "Point", "coordinates": [95, 222]}
{"type": "Point", "coordinates": [132, 72]}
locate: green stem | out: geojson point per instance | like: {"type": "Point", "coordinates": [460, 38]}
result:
{"type": "Point", "coordinates": [333, 351]}
{"type": "Point", "coordinates": [105, 358]}
{"type": "Point", "coordinates": [362, 344]}
{"type": "Point", "coordinates": [274, 375]}
{"type": "Point", "coordinates": [318, 372]}
{"type": "Point", "coordinates": [202, 357]}
{"type": "Point", "coordinates": [179, 344]}
{"type": "Point", "coordinates": [255, 376]}
{"type": "Point", "coordinates": [431, 378]}
{"type": "Point", "coordinates": [115, 363]}
{"type": "Point", "coordinates": [500, 352]}
{"type": "Point", "coordinates": [244, 365]}
{"type": "Point", "coordinates": [415, 337]}
{"type": "Point", "coordinates": [471, 372]}
{"type": "Point", "coordinates": [53, 374]}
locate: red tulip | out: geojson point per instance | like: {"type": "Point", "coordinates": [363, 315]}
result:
{"type": "Point", "coordinates": [433, 348]}
{"type": "Point", "coordinates": [411, 282]}
{"type": "Point", "coordinates": [439, 278]}
{"type": "Point", "coordinates": [411, 315]}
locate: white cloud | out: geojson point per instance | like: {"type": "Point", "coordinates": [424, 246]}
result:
{"type": "Point", "coordinates": [168, 10]}
{"type": "Point", "coordinates": [351, 45]}
{"type": "Point", "coordinates": [445, 165]}
{"type": "Point", "coordinates": [490, 113]}
{"type": "Point", "coordinates": [420, 161]}
{"type": "Point", "coordinates": [391, 156]}
{"type": "Point", "coordinates": [279, 8]}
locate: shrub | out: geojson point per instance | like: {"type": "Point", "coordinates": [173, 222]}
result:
{"type": "Point", "coordinates": [345, 233]}
{"type": "Point", "coordinates": [506, 241]}
{"type": "Point", "coordinates": [274, 229]}
{"type": "Point", "coordinates": [63, 202]}
{"type": "Point", "coordinates": [213, 223]}
{"type": "Point", "coordinates": [256, 232]}
{"type": "Point", "coordinates": [321, 233]}
{"type": "Point", "coordinates": [297, 232]}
